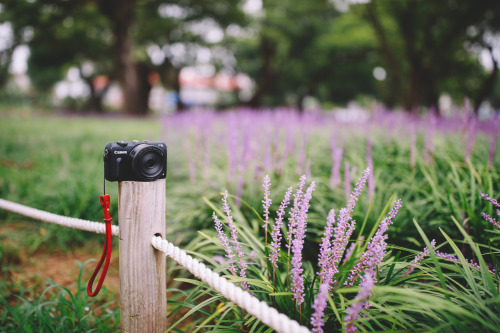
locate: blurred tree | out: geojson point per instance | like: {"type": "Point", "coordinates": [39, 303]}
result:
{"type": "Point", "coordinates": [62, 34]}
{"type": "Point", "coordinates": [307, 48]}
{"type": "Point", "coordinates": [292, 49]}
{"type": "Point", "coordinates": [15, 18]}
{"type": "Point", "coordinates": [143, 29]}
{"type": "Point", "coordinates": [427, 48]}
{"type": "Point", "coordinates": [114, 38]}
{"type": "Point", "coordinates": [63, 38]}
{"type": "Point", "coordinates": [345, 58]}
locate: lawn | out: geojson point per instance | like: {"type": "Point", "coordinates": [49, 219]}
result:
{"type": "Point", "coordinates": [437, 167]}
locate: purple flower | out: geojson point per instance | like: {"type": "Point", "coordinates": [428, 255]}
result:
{"type": "Point", "coordinates": [234, 239]}
{"type": "Point", "coordinates": [225, 243]}
{"type": "Point", "coordinates": [419, 258]}
{"type": "Point", "coordinates": [413, 147]}
{"type": "Point", "coordinates": [191, 162]}
{"type": "Point", "coordinates": [302, 154]}
{"type": "Point", "coordinates": [357, 190]}
{"type": "Point", "coordinates": [347, 180]}
{"type": "Point", "coordinates": [319, 306]}
{"type": "Point", "coordinates": [266, 203]}
{"type": "Point", "coordinates": [491, 219]}
{"type": "Point", "coordinates": [276, 146]}
{"type": "Point", "coordinates": [343, 231]}
{"type": "Point", "coordinates": [292, 220]}
{"type": "Point", "coordinates": [297, 246]}
{"type": "Point", "coordinates": [207, 131]}
{"type": "Point", "coordinates": [369, 163]}
{"type": "Point", "coordinates": [337, 158]}
{"type": "Point", "coordinates": [471, 136]}
{"type": "Point", "coordinates": [493, 147]}
{"type": "Point", "coordinates": [488, 217]}
{"type": "Point", "coordinates": [351, 248]}
{"type": "Point", "coordinates": [429, 144]}
{"type": "Point", "coordinates": [219, 259]}
{"type": "Point", "coordinates": [450, 257]}
{"type": "Point", "coordinates": [267, 156]}
{"type": "Point", "coordinates": [276, 233]}
{"type": "Point", "coordinates": [488, 198]}
{"type": "Point", "coordinates": [360, 302]}
{"type": "Point", "coordinates": [231, 150]}
{"type": "Point", "coordinates": [372, 258]}
{"type": "Point", "coordinates": [308, 168]}
{"type": "Point", "coordinates": [239, 189]}
{"type": "Point", "coordinates": [286, 149]}
{"type": "Point", "coordinates": [325, 249]}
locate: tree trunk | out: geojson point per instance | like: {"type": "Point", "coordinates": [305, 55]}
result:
{"type": "Point", "coordinates": [94, 103]}
{"type": "Point", "coordinates": [132, 76]}
{"type": "Point", "coordinates": [267, 73]}
{"type": "Point", "coordinates": [176, 85]}
{"type": "Point", "coordinates": [170, 79]}
{"type": "Point", "coordinates": [393, 66]}
{"type": "Point", "coordinates": [6, 60]}
{"type": "Point", "coordinates": [136, 88]}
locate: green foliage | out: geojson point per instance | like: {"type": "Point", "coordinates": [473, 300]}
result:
{"type": "Point", "coordinates": [427, 47]}
{"type": "Point", "coordinates": [58, 309]}
{"type": "Point", "coordinates": [307, 49]}
{"type": "Point", "coordinates": [439, 295]}
{"type": "Point", "coordinates": [62, 37]}
{"type": "Point", "coordinates": [54, 164]}
{"type": "Point", "coordinates": [113, 39]}
{"type": "Point", "coordinates": [290, 49]}
{"type": "Point", "coordinates": [432, 191]}
{"type": "Point", "coordinates": [62, 172]}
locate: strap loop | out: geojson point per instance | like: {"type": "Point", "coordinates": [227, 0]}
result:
{"type": "Point", "coordinates": [106, 253]}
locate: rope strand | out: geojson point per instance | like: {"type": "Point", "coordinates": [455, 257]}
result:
{"type": "Point", "coordinates": [71, 222]}
{"type": "Point", "coordinates": [266, 314]}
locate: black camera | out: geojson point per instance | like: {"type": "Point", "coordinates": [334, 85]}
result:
{"type": "Point", "coordinates": [136, 161]}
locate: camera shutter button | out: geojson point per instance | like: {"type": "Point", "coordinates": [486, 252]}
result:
{"type": "Point", "coordinates": [122, 143]}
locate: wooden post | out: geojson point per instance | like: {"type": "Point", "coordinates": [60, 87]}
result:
{"type": "Point", "coordinates": [143, 298]}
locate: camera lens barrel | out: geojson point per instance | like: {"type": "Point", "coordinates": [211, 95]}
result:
{"type": "Point", "coordinates": [148, 162]}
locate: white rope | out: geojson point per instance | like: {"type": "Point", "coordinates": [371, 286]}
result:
{"type": "Point", "coordinates": [268, 315]}
{"type": "Point", "coordinates": [96, 227]}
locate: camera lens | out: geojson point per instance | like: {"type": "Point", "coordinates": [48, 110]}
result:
{"type": "Point", "coordinates": [150, 163]}
{"type": "Point", "coordinates": [147, 162]}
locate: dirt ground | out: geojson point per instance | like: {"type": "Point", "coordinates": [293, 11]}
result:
{"type": "Point", "coordinates": [29, 269]}
{"type": "Point", "coordinates": [63, 269]}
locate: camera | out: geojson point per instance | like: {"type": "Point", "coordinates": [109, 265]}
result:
{"type": "Point", "coordinates": [135, 161]}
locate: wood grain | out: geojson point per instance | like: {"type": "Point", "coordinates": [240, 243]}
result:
{"type": "Point", "coordinates": [141, 215]}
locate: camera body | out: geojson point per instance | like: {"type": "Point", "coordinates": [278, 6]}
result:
{"type": "Point", "coordinates": [135, 161]}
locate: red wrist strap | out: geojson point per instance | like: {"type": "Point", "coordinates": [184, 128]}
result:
{"type": "Point", "coordinates": [106, 253]}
